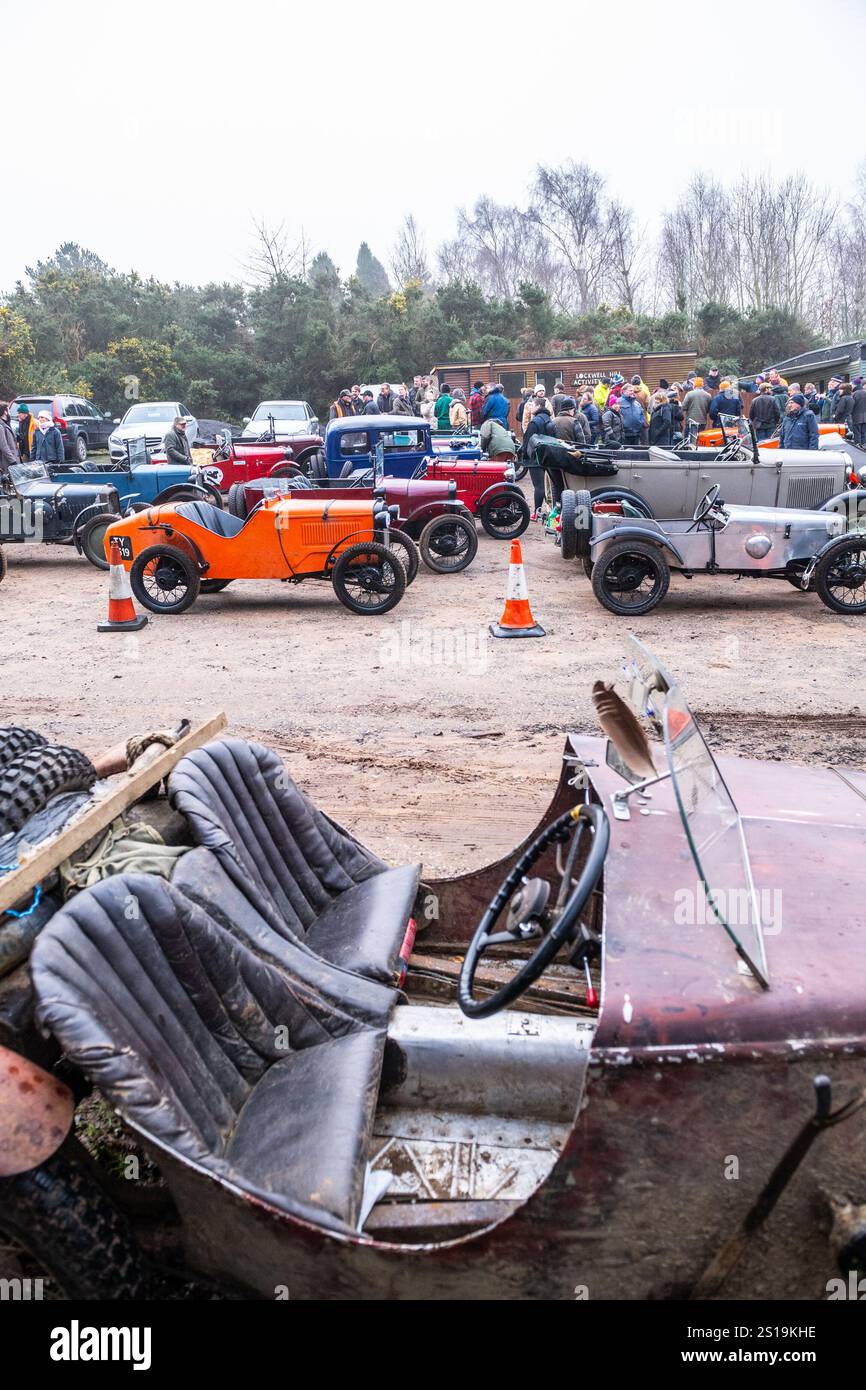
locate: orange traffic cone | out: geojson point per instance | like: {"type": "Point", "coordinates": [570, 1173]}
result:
{"type": "Point", "coordinates": [517, 619]}
{"type": "Point", "coordinates": [122, 616]}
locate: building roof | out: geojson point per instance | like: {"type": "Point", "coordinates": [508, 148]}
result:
{"type": "Point", "coordinates": [567, 357]}
{"type": "Point", "coordinates": [837, 355]}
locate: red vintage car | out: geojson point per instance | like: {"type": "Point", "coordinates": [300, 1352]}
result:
{"type": "Point", "coordinates": [239, 461]}
{"type": "Point", "coordinates": [427, 513]}
{"type": "Point", "coordinates": [487, 490]}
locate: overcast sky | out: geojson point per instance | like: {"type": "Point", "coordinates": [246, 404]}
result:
{"type": "Point", "coordinates": [154, 133]}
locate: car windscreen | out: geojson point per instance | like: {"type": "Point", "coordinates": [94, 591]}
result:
{"type": "Point", "coordinates": [27, 472]}
{"type": "Point", "coordinates": [710, 818]}
{"type": "Point", "coordinates": [149, 414]}
{"type": "Point", "coordinates": [34, 405]}
{"type": "Point", "coordinates": [281, 410]}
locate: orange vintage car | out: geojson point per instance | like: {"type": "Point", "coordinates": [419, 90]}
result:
{"type": "Point", "coordinates": [708, 438]}
{"type": "Point", "coordinates": [174, 553]}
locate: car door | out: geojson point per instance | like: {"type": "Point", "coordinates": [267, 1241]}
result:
{"type": "Point", "coordinates": [736, 480]}
{"type": "Point", "coordinates": [102, 426]}
{"type": "Point", "coordinates": [668, 484]}
{"type": "Point", "coordinates": [78, 422]}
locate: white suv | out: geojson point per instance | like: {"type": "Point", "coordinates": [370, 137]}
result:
{"type": "Point", "coordinates": [152, 421]}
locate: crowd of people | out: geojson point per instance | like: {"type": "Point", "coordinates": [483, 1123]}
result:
{"type": "Point", "coordinates": [38, 439]}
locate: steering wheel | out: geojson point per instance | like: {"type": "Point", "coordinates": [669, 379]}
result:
{"type": "Point", "coordinates": [529, 915]}
{"type": "Point", "coordinates": [707, 502]}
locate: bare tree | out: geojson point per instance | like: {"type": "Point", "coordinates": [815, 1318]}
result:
{"type": "Point", "coordinates": [627, 265]}
{"type": "Point", "coordinates": [409, 254]}
{"type": "Point", "coordinates": [568, 204]}
{"type": "Point", "coordinates": [695, 246]}
{"type": "Point", "coordinates": [273, 257]}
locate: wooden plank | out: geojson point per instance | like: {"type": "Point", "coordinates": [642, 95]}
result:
{"type": "Point", "coordinates": [16, 886]}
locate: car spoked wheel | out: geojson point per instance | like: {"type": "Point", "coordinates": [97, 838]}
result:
{"type": "Point", "coordinates": [368, 578]}
{"type": "Point", "coordinates": [449, 544]}
{"type": "Point", "coordinates": [840, 577]}
{"type": "Point", "coordinates": [631, 578]}
{"type": "Point", "coordinates": [165, 579]}
{"type": "Point", "coordinates": [406, 551]}
{"type": "Point", "coordinates": [506, 516]}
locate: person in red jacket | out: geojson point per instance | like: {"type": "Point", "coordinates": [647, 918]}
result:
{"type": "Point", "coordinates": [476, 401]}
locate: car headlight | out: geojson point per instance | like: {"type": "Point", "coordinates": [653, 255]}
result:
{"type": "Point", "coordinates": [113, 439]}
{"type": "Point", "coordinates": [509, 474]}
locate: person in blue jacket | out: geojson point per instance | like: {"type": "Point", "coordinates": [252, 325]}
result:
{"type": "Point", "coordinates": [799, 427]}
{"type": "Point", "coordinates": [47, 440]}
{"type": "Point", "coordinates": [496, 405]}
{"type": "Point", "coordinates": [726, 402]}
{"type": "Point", "coordinates": [593, 415]}
{"type": "Point", "coordinates": [633, 416]}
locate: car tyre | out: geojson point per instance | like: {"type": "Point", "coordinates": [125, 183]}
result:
{"type": "Point", "coordinates": [92, 538]}
{"type": "Point", "coordinates": [315, 465]}
{"type": "Point", "coordinates": [449, 544]}
{"type": "Point", "coordinates": [492, 514]}
{"type": "Point", "coordinates": [568, 525]}
{"type": "Point", "coordinates": [407, 553]}
{"type": "Point", "coordinates": [213, 586]}
{"type": "Point", "coordinates": [165, 570]}
{"type": "Point", "coordinates": [80, 448]}
{"type": "Point", "coordinates": [622, 569]}
{"type": "Point", "coordinates": [236, 501]}
{"type": "Point", "coordinates": [843, 571]}
{"type": "Point", "coordinates": [354, 575]}
{"type": "Point", "coordinates": [3, 564]}
{"type": "Point", "coordinates": [14, 741]}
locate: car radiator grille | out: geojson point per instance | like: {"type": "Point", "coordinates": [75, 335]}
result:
{"type": "Point", "coordinates": [810, 491]}
{"type": "Point", "coordinates": [321, 532]}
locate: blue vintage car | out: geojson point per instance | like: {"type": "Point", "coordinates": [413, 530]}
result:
{"type": "Point", "coordinates": [140, 483]}
{"type": "Point", "coordinates": [407, 440]}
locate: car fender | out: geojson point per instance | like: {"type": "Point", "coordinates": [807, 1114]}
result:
{"type": "Point", "coordinates": [82, 519]}
{"type": "Point", "coordinates": [613, 494]}
{"type": "Point", "coordinates": [165, 497]}
{"type": "Point", "coordinates": [496, 488]}
{"type": "Point", "coordinates": [842, 501]}
{"type": "Point", "coordinates": [639, 533]}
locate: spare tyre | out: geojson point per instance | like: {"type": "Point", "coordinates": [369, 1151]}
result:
{"type": "Point", "coordinates": [237, 500]}
{"type": "Point", "coordinates": [30, 781]}
{"type": "Point", "coordinates": [14, 741]}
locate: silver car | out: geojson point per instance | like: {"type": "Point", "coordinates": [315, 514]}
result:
{"type": "Point", "coordinates": [630, 558]}
{"type": "Point", "coordinates": [668, 483]}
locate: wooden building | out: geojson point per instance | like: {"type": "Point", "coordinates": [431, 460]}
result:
{"type": "Point", "coordinates": [547, 371]}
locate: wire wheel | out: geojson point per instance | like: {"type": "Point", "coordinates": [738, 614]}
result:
{"type": "Point", "coordinates": [449, 544]}
{"type": "Point", "coordinates": [165, 579]}
{"type": "Point", "coordinates": [630, 578]}
{"type": "Point", "coordinates": [840, 578]}
{"type": "Point", "coordinates": [505, 516]}
{"type": "Point", "coordinates": [369, 578]}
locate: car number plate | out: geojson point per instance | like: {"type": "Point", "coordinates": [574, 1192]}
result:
{"type": "Point", "coordinates": [125, 545]}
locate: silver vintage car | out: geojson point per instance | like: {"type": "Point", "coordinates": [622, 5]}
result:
{"type": "Point", "coordinates": [669, 483]}
{"type": "Point", "coordinates": [630, 558]}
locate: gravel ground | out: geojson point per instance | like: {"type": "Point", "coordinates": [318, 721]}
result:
{"type": "Point", "coordinates": [419, 731]}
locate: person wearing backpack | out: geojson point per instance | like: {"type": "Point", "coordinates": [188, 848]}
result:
{"type": "Point", "coordinates": [540, 424]}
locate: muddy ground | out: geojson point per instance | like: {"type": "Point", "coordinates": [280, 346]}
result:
{"type": "Point", "coordinates": [424, 735]}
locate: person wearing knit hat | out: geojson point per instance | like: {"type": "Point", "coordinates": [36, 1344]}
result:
{"type": "Point", "coordinates": [727, 401]}
{"type": "Point", "coordinates": [799, 426]}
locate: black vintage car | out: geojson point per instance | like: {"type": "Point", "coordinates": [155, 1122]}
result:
{"type": "Point", "coordinates": [36, 508]}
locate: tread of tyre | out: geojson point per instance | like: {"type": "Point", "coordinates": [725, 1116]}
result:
{"type": "Point", "coordinates": [68, 1225]}
{"type": "Point", "coordinates": [14, 741]}
{"type": "Point", "coordinates": [644, 548]}
{"type": "Point", "coordinates": [236, 501]}
{"type": "Point", "coordinates": [30, 781]}
{"type": "Point", "coordinates": [583, 503]}
{"type": "Point", "coordinates": [568, 525]}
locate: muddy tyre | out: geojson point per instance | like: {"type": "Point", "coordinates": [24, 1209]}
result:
{"type": "Point", "coordinates": [15, 741]}
{"type": "Point", "coordinates": [630, 578]}
{"type": "Point", "coordinates": [65, 1222]}
{"type": "Point", "coordinates": [30, 781]}
{"type": "Point", "coordinates": [165, 579]}
{"type": "Point", "coordinates": [369, 578]}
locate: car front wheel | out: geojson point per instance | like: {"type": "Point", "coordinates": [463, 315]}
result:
{"type": "Point", "coordinates": [630, 578]}
{"type": "Point", "coordinates": [840, 577]}
{"type": "Point", "coordinates": [165, 579]}
{"type": "Point", "coordinates": [369, 578]}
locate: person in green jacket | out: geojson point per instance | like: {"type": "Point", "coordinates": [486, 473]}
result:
{"type": "Point", "coordinates": [442, 408]}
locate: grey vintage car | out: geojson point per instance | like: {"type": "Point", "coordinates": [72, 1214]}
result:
{"type": "Point", "coordinates": [669, 483]}
{"type": "Point", "coordinates": [630, 558]}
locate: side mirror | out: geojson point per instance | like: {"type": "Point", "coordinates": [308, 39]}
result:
{"type": "Point", "coordinates": [116, 420]}
{"type": "Point", "coordinates": [247, 419]}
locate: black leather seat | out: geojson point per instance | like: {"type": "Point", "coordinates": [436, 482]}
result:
{"type": "Point", "coordinates": [199, 875]}
{"type": "Point", "coordinates": [214, 519]}
{"type": "Point", "coordinates": [210, 1050]}
{"type": "Point", "coordinates": [312, 883]}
